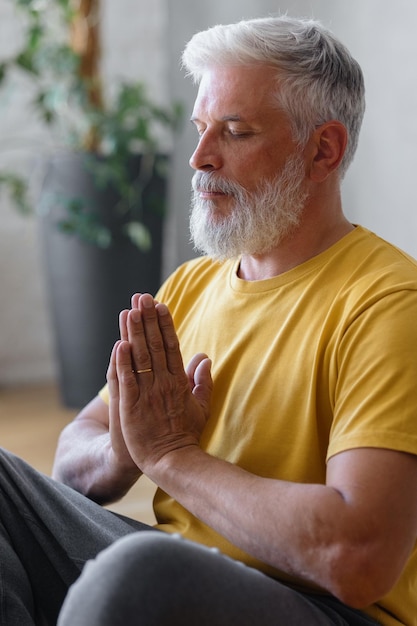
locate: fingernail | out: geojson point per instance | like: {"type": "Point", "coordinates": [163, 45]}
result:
{"type": "Point", "coordinates": [135, 315]}
{"type": "Point", "coordinates": [162, 309]}
{"type": "Point", "coordinates": [147, 301]}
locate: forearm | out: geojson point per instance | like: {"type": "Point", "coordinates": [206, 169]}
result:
{"type": "Point", "coordinates": [85, 461]}
{"type": "Point", "coordinates": [307, 531]}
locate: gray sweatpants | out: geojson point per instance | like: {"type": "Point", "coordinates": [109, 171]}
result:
{"type": "Point", "coordinates": [48, 532]}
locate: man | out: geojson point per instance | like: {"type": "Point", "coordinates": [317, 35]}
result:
{"type": "Point", "coordinates": [288, 443]}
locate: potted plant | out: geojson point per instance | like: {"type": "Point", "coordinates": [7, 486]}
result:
{"type": "Point", "coordinates": [103, 197]}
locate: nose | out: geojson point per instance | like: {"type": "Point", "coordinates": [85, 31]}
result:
{"type": "Point", "coordinates": [207, 155]}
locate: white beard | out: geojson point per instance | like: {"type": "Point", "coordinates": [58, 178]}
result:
{"type": "Point", "coordinates": [257, 222]}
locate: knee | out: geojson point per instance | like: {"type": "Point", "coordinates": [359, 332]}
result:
{"type": "Point", "coordinates": [145, 559]}
{"type": "Point", "coordinates": [133, 561]}
{"type": "Point", "coordinates": [131, 577]}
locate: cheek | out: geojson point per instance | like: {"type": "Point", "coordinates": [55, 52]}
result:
{"type": "Point", "coordinates": [248, 163]}
{"type": "Point", "coordinates": [254, 168]}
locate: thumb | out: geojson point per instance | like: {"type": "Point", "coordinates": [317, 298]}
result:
{"type": "Point", "coordinates": [199, 373]}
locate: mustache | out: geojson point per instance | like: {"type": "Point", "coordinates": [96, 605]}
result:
{"type": "Point", "coordinates": [211, 182]}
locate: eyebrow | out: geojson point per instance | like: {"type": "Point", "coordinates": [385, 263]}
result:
{"type": "Point", "coordinates": [225, 118]}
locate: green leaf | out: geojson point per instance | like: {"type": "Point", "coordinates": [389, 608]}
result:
{"type": "Point", "coordinates": [139, 235]}
{"type": "Point", "coordinates": [84, 224]}
{"type": "Point", "coordinates": [16, 186]}
{"type": "Point", "coordinates": [129, 123]}
{"type": "Point", "coordinates": [3, 72]}
{"type": "Point", "coordinates": [26, 62]}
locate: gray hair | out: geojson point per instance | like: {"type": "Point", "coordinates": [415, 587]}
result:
{"type": "Point", "coordinates": [318, 78]}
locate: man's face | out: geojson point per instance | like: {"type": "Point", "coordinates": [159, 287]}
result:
{"type": "Point", "coordinates": [249, 183]}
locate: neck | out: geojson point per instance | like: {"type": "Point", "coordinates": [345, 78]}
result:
{"type": "Point", "coordinates": [307, 242]}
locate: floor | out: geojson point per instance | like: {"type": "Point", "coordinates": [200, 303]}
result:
{"type": "Point", "coordinates": [31, 419]}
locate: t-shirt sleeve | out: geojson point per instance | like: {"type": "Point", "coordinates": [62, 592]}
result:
{"type": "Point", "coordinates": [375, 397]}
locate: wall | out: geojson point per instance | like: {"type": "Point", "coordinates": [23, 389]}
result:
{"type": "Point", "coordinates": [141, 39]}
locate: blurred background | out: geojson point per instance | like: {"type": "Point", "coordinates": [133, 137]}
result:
{"type": "Point", "coordinates": [141, 40]}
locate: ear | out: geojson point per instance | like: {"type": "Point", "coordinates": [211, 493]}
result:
{"type": "Point", "coordinates": [328, 145]}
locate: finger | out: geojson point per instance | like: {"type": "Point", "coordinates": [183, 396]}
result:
{"type": "Point", "coordinates": [153, 336]}
{"type": "Point", "coordinates": [112, 381]}
{"type": "Point", "coordinates": [203, 384]}
{"type": "Point", "coordinates": [141, 359]}
{"type": "Point", "coordinates": [193, 365]}
{"type": "Point", "coordinates": [170, 339]}
{"type": "Point", "coordinates": [137, 339]}
{"type": "Point", "coordinates": [113, 385]}
{"type": "Point", "coordinates": [135, 300]}
{"type": "Point", "coordinates": [128, 388]}
{"type": "Point", "coordinates": [123, 324]}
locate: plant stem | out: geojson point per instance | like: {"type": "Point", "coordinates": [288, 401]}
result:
{"type": "Point", "coordinates": [85, 41]}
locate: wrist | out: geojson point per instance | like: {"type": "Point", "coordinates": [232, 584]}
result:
{"type": "Point", "coordinates": [175, 465]}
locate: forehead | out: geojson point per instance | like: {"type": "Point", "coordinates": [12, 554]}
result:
{"type": "Point", "coordinates": [241, 91]}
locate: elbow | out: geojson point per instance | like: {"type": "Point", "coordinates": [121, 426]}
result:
{"type": "Point", "coordinates": [358, 596]}
{"type": "Point", "coordinates": [359, 578]}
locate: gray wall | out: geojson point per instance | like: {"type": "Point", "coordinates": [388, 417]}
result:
{"type": "Point", "coordinates": [144, 39]}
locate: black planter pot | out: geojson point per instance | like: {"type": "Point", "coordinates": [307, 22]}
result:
{"type": "Point", "coordinates": [89, 286]}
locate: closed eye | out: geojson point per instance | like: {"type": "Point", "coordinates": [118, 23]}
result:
{"type": "Point", "coordinates": [239, 133]}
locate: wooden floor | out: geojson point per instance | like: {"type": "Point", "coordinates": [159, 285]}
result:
{"type": "Point", "coordinates": [31, 419]}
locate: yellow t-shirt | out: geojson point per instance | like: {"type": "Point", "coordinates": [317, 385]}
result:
{"type": "Point", "coordinates": [314, 361]}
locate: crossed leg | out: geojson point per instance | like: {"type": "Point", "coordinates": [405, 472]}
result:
{"type": "Point", "coordinates": [47, 533]}
{"type": "Point", "coordinates": [157, 579]}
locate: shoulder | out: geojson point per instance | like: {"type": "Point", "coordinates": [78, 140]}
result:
{"type": "Point", "coordinates": [378, 253]}
{"type": "Point", "coordinates": [193, 277]}
{"type": "Point", "coordinates": [367, 268]}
